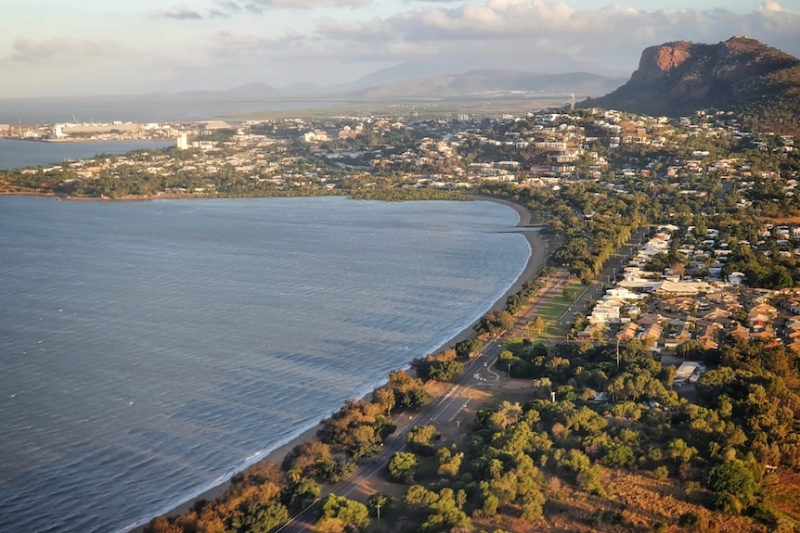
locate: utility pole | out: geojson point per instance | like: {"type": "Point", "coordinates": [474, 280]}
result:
{"type": "Point", "coordinates": [378, 508]}
{"type": "Point", "coordinates": [617, 353]}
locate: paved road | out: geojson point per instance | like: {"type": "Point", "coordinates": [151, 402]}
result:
{"type": "Point", "coordinates": [443, 409]}
{"type": "Point", "coordinates": [446, 407]}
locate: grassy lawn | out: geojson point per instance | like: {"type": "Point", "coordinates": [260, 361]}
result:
{"type": "Point", "coordinates": [556, 309]}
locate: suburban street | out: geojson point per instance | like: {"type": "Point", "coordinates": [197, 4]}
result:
{"type": "Point", "coordinates": [610, 270]}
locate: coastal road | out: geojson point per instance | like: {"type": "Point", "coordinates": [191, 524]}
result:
{"type": "Point", "coordinates": [443, 409]}
{"type": "Point", "coordinates": [447, 404]}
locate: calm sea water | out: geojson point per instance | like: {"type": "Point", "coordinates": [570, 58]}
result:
{"type": "Point", "coordinates": [19, 154]}
{"type": "Point", "coordinates": [148, 350]}
{"type": "Point", "coordinates": [107, 109]}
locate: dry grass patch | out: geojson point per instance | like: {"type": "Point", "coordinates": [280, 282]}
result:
{"type": "Point", "coordinates": [634, 503]}
{"type": "Point", "coordinates": [662, 501]}
{"type": "Point", "coordinates": [782, 493]}
{"type": "Point", "coordinates": [513, 390]}
{"type": "Point", "coordinates": [783, 221]}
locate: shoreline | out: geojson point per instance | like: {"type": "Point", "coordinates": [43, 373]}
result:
{"type": "Point", "coordinates": [84, 141]}
{"type": "Point", "coordinates": [530, 270]}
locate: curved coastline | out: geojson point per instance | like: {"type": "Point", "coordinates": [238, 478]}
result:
{"type": "Point", "coordinates": [538, 253]}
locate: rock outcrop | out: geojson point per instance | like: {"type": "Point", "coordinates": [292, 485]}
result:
{"type": "Point", "coordinates": [759, 83]}
{"type": "Point", "coordinates": [658, 61]}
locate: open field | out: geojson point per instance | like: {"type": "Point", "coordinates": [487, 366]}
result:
{"type": "Point", "coordinates": [555, 309]}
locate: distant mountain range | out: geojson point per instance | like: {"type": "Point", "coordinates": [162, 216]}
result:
{"type": "Point", "coordinates": [760, 83]}
{"type": "Point", "coordinates": [476, 83]}
{"type": "Point", "coordinates": [489, 82]}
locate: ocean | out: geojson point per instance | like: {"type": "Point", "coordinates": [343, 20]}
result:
{"type": "Point", "coordinates": [154, 109]}
{"type": "Point", "coordinates": [16, 154]}
{"type": "Point", "coordinates": [149, 350]}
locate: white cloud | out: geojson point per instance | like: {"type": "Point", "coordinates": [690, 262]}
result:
{"type": "Point", "coordinates": [258, 6]}
{"type": "Point", "coordinates": [551, 25]}
{"type": "Point", "coordinates": [292, 40]}
{"type": "Point", "coordinates": [770, 6]}
{"type": "Point", "coordinates": [177, 13]}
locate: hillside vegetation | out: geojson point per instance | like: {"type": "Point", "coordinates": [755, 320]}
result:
{"type": "Point", "coordinates": [758, 82]}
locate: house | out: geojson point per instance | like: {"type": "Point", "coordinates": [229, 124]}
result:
{"type": "Point", "coordinates": [628, 333]}
{"type": "Point", "coordinates": [762, 311]}
{"type": "Point", "coordinates": [739, 332]}
{"type": "Point", "coordinates": [652, 332]}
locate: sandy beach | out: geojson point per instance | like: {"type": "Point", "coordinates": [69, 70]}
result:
{"type": "Point", "coordinates": [532, 268]}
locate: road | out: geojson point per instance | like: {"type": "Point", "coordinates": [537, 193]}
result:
{"type": "Point", "coordinates": [454, 398]}
{"type": "Point", "coordinates": [443, 409]}
{"type": "Point", "coordinates": [609, 272]}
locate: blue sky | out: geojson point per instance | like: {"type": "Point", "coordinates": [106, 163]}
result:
{"type": "Point", "coordinates": [84, 47]}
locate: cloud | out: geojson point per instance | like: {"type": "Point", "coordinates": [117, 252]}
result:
{"type": "Point", "coordinates": [178, 14]}
{"type": "Point", "coordinates": [770, 6]}
{"type": "Point", "coordinates": [64, 50]}
{"type": "Point", "coordinates": [549, 26]}
{"type": "Point", "coordinates": [259, 6]}
{"type": "Point", "coordinates": [247, 44]}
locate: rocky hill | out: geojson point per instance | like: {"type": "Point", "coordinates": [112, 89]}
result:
{"type": "Point", "coordinates": [489, 83]}
{"type": "Point", "coordinates": [760, 83]}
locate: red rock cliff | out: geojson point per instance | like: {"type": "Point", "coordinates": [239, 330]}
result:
{"type": "Point", "coordinates": [657, 61]}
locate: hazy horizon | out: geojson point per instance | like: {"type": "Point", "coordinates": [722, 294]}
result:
{"type": "Point", "coordinates": [91, 48]}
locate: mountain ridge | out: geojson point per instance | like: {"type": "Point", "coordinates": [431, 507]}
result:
{"type": "Point", "coordinates": [495, 82]}
{"type": "Point", "coordinates": [759, 83]}
{"type": "Point", "coordinates": [485, 81]}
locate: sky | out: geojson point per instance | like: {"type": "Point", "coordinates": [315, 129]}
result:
{"type": "Point", "coordinates": [96, 47]}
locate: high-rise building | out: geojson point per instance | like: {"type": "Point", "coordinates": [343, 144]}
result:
{"type": "Point", "coordinates": [182, 143]}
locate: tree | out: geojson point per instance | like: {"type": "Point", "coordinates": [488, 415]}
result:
{"type": "Point", "coordinates": [489, 502]}
{"type": "Point", "coordinates": [532, 506]}
{"type": "Point", "coordinates": [539, 325]}
{"type": "Point", "coordinates": [402, 467]}
{"type": "Point", "coordinates": [377, 503]}
{"type": "Point", "coordinates": [335, 510]}
{"type": "Point", "coordinates": [543, 387]}
{"type": "Point", "coordinates": [419, 439]}
{"type": "Point", "coordinates": [445, 370]}
{"type": "Point", "coordinates": [449, 463]}
{"type": "Point", "coordinates": [733, 479]}
{"type": "Point", "coordinates": [310, 458]}
{"type": "Point", "coordinates": [419, 497]}
{"type": "Point", "coordinates": [505, 415]}
{"type": "Point", "coordinates": [465, 349]}
{"type": "Point", "coordinates": [261, 518]}
{"type": "Point", "coordinates": [679, 451]}
{"type": "Point", "coordinates": [384, 397]}
{"type": "Point", "coordinates": [495, 322]}
{"type": "Point", "coordinates": [445, 515]}
{"type": "Point", "coordinates": [300, 494]}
